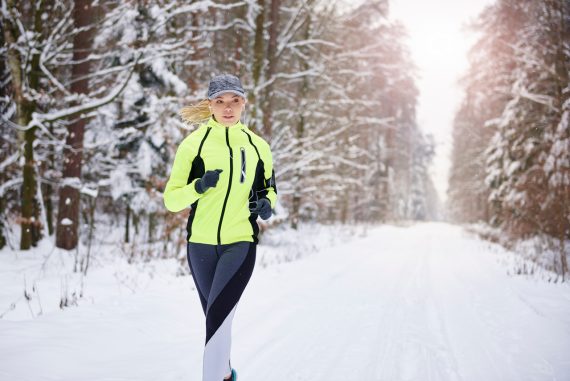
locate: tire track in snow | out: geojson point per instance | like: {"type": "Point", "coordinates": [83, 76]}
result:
{"type": "Point", "coordinates": [420, 349]}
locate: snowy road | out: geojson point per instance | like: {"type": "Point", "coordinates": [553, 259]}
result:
{"type": "Point", "coordinates": [426, 302]}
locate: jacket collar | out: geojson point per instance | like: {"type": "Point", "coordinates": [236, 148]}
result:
{"type": "Point", "coordinates": [213, 123]}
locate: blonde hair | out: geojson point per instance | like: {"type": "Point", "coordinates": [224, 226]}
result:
{"type": "Point", "coordinates": [200, 112]}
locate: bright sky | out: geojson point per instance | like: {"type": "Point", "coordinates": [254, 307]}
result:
{"type": "Point", "coordinates": [439, 47]}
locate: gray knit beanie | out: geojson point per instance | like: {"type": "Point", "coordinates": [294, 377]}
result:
{"type": "Point", "coordinates": [225, 83]}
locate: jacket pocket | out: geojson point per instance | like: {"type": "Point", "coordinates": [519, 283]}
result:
{"type": "Point", "coordinates": [242, 175]}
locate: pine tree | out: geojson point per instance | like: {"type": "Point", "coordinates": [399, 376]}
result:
{"type": "Point", "coordinates": [517, 88]}
{"type": "Point", "coordinates": [487, 91]}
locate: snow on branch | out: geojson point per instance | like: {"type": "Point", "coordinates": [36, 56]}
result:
{"type": "Point", "coordinates": [545, 100]}
{"type": "Point", "coordinates": [9, 160]}
{"type": "Point", "coordinates": [297, 75]}
{"type": "Point", "coordinates": [313, 42]}
{"type": "Point", "coordinates": [39, 118]}
{"type": "Point", "coordinates": [200, 6]}
{"type": "Point", "coordinates": [12, 183]}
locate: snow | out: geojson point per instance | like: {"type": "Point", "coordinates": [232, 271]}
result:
{"type": "Point", "coordinates": [513, 167]}
{"type": "Point", "coordinates": [120, 182]}
{"type": "Point", "coordinates": [145, 158]}
{"type": "Point", "coordinates": [422, 302]}
{"type": "Point", "coordinates": [86, 105]}
{"type": "Point", "coordinates": [73, 182]}
{"type": "Point", "coordinates": [66, 222]}
{"type": "Point", "coordinates": [142, 202]}
{"type": "Point", "coordinates": [92, 192]}
{"type": "Point", "coordinates": [160, 69]}
{"type": "Point", "coordinates": [12, 183]}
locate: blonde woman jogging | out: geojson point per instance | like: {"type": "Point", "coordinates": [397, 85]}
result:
{"type": "Point", "coordinates": [224, 173]}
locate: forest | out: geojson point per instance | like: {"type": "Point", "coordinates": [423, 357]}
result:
{"type": "Point", "coordinates": [91, 92]}
{"type": "Point", "coordinates": [511, 153]}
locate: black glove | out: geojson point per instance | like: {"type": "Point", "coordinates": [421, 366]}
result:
{"type": "Point", "coordinates": [209, 180]}
{"type": "Point", "coordinates": [262, 207]}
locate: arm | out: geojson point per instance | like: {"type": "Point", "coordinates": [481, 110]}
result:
{"type": "Point", "coordinates": [179, 195]}
{"type": "Point", "coordinates": [270, 191]}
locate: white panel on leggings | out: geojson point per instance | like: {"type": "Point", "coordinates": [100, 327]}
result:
{"type": "Point", "coordinates": [217, 351]}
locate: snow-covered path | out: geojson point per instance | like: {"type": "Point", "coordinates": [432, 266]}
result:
{"type": "Point", "coordinates": [425, 302]}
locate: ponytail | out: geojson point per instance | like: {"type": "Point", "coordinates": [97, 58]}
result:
{"type": "Point", "coordinates": [197, 113]}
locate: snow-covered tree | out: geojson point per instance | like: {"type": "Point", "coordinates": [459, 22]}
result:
{"type": "Point", "coordinates": [487, 90]}
{"type": "Point", "coordinates": [517, 89]}
{"type": "Point", "coordinates": [529, 149]}
{"type": "Point", "coordinates": [8, 144]}
{"type": "Point", "coordinates": [39, 44]}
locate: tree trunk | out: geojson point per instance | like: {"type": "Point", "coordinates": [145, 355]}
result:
{"type": "Point", "coordinates": [127, 223]}
{"type": "Point", "coordinates": [69, 196]}
{"type": "Point", "coordinates": [563, 259]}
{"type": "Point", "coordinates": [151, 226]}
{"type": "Point", "coordinates": [2, 219]}
{"type": "Point", "coordinates": [271, 50]}
{"type": "Point", "coordinates": [241, 41]}
{"type": "Point", "coordinates": [29, 205]}
{"type": "Point", "coordinates": [24, 108]}
{"type": "Point", "coordinates": [300, 132]}
{"type": "Point", "coordinates": [48, 188]}
{"type": "Point", "coordinates": [92, 206]}
{"type": "Point", "coordinates": [6, 149]}
{"type": "Point", "coordinates": [257, 64]}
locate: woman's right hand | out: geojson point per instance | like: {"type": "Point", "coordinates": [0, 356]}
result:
{"type": "Point", "coordinates": [209, 180]}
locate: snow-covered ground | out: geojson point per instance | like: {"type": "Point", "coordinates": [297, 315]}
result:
{"type": "Point", "coordinates": [424, 302]}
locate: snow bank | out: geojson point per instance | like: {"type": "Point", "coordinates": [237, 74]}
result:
{"type": "Point", "coordinates": [46, 279]}
{"type": "Point", "coordinates": [537, 257]}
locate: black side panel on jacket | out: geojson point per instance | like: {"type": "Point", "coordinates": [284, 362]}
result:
{"type": "Point", "coordinates": [197, 171]}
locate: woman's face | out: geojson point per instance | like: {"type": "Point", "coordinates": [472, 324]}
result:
{"type": "Point", "coordinates": [227, 108]}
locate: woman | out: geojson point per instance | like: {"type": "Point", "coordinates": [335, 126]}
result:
{"type": "Point", "coordinates": [224, 172]}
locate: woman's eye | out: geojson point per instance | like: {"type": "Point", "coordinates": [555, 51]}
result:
{"type": "Point", "coordinates": [219, 102]}
{"type": "Point", "coordinates": [236, 100]}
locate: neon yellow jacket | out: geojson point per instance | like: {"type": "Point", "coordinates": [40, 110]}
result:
{"type": "Point", "coordinates": [221, 215]}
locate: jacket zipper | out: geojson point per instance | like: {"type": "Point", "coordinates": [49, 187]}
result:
{"type": "Point", "coordinates": [242, 176]}
{"type": "Point", "coordinates": [229, 187]}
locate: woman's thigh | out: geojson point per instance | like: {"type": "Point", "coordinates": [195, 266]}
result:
{"type": "Point", "coordinates": [202, 259]}
{"type": "Point", "coordinates": [233, 272]}
{"type": "Point", "coordinates": [234, 269]}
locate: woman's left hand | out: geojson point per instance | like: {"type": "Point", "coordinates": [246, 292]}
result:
{"type": "Point", "coordinates": [262, 207]}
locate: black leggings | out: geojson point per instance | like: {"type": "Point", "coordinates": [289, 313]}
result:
{"type": "Point", "coordinates": [221, 273]}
